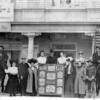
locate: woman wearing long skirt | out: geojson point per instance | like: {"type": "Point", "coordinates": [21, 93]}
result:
{"type": "Point", "coordinates": [13, 82]}
{"type": "Point", "coordinates": [80, 86]}
{"type": "Point", "coordinates": [31, 89]}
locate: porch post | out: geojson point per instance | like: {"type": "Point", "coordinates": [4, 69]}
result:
{"type": "Point", "coordinates": [93, 43]}
{"type": "Point", "coordinates": [30, 46]}
{"type": "Point", "coordinates": [31, 36]}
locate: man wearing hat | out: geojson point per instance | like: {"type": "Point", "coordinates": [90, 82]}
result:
{"type": "Point", "coordinates": [3, 66]}
{"type": "Point", "coordinates": [81, 56]}
{"type": "Point", "coordinates": [69, 77]}
{"type": "Point", "coordinates": [51, 59]}
{"type": "Point", "coordinates": [23, 75]}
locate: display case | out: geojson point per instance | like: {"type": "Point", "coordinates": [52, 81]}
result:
{"type": "Point", "coordinates": [51, 80]}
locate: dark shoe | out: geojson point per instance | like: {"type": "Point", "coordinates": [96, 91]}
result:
{"type": "Point", "coordinates": [11, 95]}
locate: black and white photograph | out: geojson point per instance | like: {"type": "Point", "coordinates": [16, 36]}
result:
{"type": "Point", "coordinates": [50, 49]}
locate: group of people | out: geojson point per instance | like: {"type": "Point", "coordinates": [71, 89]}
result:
{"type": "Point", "coordinates": [79, 76]}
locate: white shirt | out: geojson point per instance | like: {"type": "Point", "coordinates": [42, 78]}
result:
{"type": "Point", "coordinates": [12, 70]}
{"type": "Point", "coordinates": [61, 60]}
{"type": "Point", "coordinates": [42, 60]}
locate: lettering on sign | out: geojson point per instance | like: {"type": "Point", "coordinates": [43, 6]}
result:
{"type": "Point", "coordinates": [51, 76]}
{"type": "Point", "coordinates": [59, 67]}
{"type": "Point", "coordinates": [42, 74]}
{"type": "Point", "coordinates": [5, 27]}
{"type": "Point", "coordinates": [51, 68]}
{"type": "Point", "coordinates": [59, 90]}
{"type": "Point", "coordinates": [59, 82]}
{"type": "Point", "coordinates": [60, 74]}
{"type": "Point", "coordinates": [41, 90]}
{"type": "Point", "coordinates": [41, 82]}
{"type": "Point", "coordinates": [50, 88]}
{"type": "Point", "coordinates": [60, 2]}
{"type": "Point", "coordinates": [50, 82]}
{"type": "Point", "coordinates": [43, 67]}
{"type": "Point", "coordinates": [6, 11]}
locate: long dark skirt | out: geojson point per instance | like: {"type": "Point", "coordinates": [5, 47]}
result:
{"type": "Point", "coordinates": [69, 86]}
{"type": "Point", "coordinates": [12, 86]}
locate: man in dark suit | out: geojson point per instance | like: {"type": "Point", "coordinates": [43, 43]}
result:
{"type": "Point", "coordinates": [96, 57]}
{"type": "Point", "coordinates": [3, 66]}
{"type": "Point", "coordinates": [23, 75]}
{"type": "Point", "coordinates": [51, 59]}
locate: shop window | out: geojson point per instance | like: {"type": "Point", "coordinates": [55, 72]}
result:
{"type": "Point", "coordinates": [68, 49]}
{"type": "Point", "coordinates": [64, 46]}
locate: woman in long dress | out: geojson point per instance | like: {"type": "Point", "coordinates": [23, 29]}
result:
{"type": "Point", "coordinates": [31, 88]}
{"type": "Point", "coordinates": [80, 86]}
{"type": "Point", "coordinates": [13, 82]}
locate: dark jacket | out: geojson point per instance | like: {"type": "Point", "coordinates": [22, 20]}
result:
{"type": "Point", "coordinates": [23, 70]}
{"type": "Point", "coordinates": [96, 58]}
{"type": "Point", "coordinates": [3, 66]}
{"type": "Point", "coordinates": [51, 60]}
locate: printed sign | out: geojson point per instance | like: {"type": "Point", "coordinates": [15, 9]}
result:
{"type": "Point", "coordinates": [51, 68]}
{"type": "Point", "coordinates": [51, 76]}
{"type": "Point", "coordinates": [51, 79]}
{"type": "Point", "coordinates": [5, 27]}
{"type": "Point", "coordinates": [6, 11]}
{"type": "Point", "coordinates": [50, 89]}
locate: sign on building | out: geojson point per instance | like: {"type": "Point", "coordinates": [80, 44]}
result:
{"type": "Point", "coordinates": [6, 11]}
{"type": "Point", "coordinates": [5, 27]}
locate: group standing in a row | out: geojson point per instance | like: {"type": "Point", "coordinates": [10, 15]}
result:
{"type": "Point", "coordinates": [79, 74]}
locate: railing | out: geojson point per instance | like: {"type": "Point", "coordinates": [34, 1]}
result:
{"type": "Point", "coordinates": [45, 4]}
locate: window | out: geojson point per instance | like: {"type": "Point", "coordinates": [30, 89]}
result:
{"type": "Point", "coordinates": [68, 49]}
{"type": "Point", "coordinates": [64, 46]}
